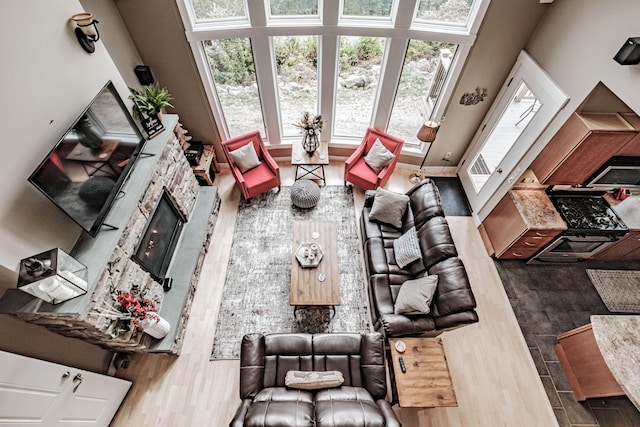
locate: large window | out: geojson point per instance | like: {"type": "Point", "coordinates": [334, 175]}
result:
{"type": "Point", "coordinates": [234, 75]}
{"type": "Point", "coordinates": [423, 73]}
{"type": "Point", "coordinates": [383, 63]}
{"type": "Point", "coordinates": [297, 71]}
{"type": "Point", "coordinates": [360, 61]}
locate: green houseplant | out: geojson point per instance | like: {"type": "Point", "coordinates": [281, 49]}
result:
{"type": "Point", "coordinates": [150, 100]}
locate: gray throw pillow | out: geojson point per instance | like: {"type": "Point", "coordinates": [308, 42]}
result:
{"type": "Point", "coordinates": [388, 207]}
{"type": "Point", "coordinates": [245, 157]}
{"type": "Point", "coordinates": [378, 156]}
{"type": "Point", "coordinates": [415, 296]}
{"type": "Point", "coordinates": [407, 248]}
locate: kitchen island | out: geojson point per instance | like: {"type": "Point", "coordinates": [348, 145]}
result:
{"type": "Point", "coordinates": [601, 359]}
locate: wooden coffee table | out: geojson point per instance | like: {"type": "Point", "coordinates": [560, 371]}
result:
{"type": "Point", "coordinates": [307, 290]}
{"type": "Point", "coordinates": [427, 382]}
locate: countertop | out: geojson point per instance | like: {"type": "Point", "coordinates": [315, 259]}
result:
{"type": "Point", "coordinates": [629, 211]}
{"type": "Point", "coordinates": [618, 338]}
{"type": "Point", "coordinates": [536, 210]}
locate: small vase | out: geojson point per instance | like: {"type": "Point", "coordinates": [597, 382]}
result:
{"type": "Point", "coordinates": [310, 141]}
{"type": "Point", "coordinates": [157, 328]}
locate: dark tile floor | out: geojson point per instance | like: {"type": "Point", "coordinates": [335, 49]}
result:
{"type": "Point", "coordinates": [548, 300]}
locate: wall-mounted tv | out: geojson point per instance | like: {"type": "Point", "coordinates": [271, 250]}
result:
{"type": "Point", "coordinates": [85, 170]}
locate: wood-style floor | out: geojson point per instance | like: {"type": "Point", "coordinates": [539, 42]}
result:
{"type": "Point", "coordinates": [495, 379]}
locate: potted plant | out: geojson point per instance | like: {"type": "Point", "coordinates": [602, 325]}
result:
{"type": "Point", "coordinates": [310, 127]}
{"type": "Point", "coordinates": [133, 310]}
{"type": "Point", "coordinates": [150, 100]}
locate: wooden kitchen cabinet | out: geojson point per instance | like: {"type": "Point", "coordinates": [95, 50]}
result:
{"type": "Point", "coordinates": [522, 223]}
{"type": "Point", "coordinates": [583, 144]}
{"type": "Point", "coordinates": [627, 247]}
{"type": "Point", "coordinates": [632, 148]}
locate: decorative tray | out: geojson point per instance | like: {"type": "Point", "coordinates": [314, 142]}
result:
{"type": "Point", "coordinates": [309, 254]}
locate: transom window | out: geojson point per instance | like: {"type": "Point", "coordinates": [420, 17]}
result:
{"type": "Point", "coordinates": [389, 64]}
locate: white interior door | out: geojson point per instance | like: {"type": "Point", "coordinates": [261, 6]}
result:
{"type": "Point", "coordinates": [526, 104]}
{"type": "Point", "coordinates": [38, 393]}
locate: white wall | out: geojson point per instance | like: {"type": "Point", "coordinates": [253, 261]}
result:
{"type": "Point", "coordinates": [46, 80]}
{"type": "Point", "coordinates": [575, 44]}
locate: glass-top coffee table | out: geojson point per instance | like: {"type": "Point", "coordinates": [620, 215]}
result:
{"type": "Point", "coordinates": [315, 286]}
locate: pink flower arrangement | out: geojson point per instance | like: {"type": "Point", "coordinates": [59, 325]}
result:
{"type": "Point", "coordinates": [137, 307]}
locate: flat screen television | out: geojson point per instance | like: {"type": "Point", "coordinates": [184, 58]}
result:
{"type": "Point", "coordinates": [85, 170]}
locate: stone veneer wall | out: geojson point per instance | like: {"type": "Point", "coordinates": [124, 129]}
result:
{"type": "Point", "coordinates": [174, 174]}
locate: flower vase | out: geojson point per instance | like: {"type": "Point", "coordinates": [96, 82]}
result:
{"type": "Point", "coordinates": [157, 328]}
{"type": "Point", "coordinates": [310, 141]}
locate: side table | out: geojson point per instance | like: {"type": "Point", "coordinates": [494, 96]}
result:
{"type": "Point", "coordinates": [427, 382]}
{"type": "Point", "coordinates": [207, 166]}
{"type": "Point", "coordinates": [310, 166]}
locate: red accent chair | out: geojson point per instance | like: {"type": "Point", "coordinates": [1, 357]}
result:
{"type": "Point", "coordinates": [259, 179]}
{"type": "Point", "coordinates": [357, 172]}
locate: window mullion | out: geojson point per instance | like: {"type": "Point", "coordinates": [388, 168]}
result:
{"type": "Point", "coordinates": [327, 80]}
{"type": "Point", "coordinates": [267, 86]}
{"type": "Point", "coordinates": [404, 15]}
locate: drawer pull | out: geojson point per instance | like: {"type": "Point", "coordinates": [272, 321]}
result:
{"type": "Point", "coordinates": [530, 244]}
{"type": "Point", "coordinates": [538, 233]}
{"type": "Point", "coordinates": [516, 254]}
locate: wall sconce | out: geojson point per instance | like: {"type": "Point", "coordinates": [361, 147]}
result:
{"type": "Point", "coordinates": [86, 30]}
{"type": "Point", "coordinates": [629, 53]}
{"type": "Point", "coordinates": [53, 276]}
{"type": "Point", "coordinates": [473, 98]}
{"type": "Point", "coordinates": [427, 134]}
{"type": "Point", "coordinates": [143, 72]}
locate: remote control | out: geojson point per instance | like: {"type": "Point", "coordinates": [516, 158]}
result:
{"type": "Point", "coordinates": [402, 365]}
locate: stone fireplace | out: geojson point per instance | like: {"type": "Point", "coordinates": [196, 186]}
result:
{"type": "Point", "coordinates": [161, 194]}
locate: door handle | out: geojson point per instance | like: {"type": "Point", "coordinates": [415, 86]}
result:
{"type": "Point", "coordinates": [66, 375]}
{"type": "Point", "coordinates": [499, 170]}
{"type": "Point", "coordinates": [77, 380]}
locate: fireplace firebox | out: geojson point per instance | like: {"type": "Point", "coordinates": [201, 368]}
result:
{"type": "Point", "coordinates": [159, 239]}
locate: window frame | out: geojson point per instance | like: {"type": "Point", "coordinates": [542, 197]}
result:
{"type": "Point", "coordinates": [260, 28]}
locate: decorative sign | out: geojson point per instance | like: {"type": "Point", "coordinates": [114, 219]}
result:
{"type": "Point", "coordinates": [152, 125]}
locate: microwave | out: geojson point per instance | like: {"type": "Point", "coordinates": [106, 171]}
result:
{"type": "Point", "coordinates": [617, 172]}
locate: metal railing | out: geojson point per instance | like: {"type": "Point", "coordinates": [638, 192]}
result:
{"type": "Point", "coordinates": [437, 83]}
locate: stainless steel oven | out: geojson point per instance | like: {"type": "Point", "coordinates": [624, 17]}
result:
{"type": "Point", "coordinates": [591, 227]}
{"type": "Point", "coordinates": [567, 248]}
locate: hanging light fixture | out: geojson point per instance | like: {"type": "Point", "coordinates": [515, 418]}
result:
{"type": "Point", "coordinates": [86, 30]}
{"type": "Point", "coordinates": [426, 134]}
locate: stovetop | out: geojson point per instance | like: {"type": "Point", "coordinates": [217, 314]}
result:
{"type": "Point", "coordinates": [588, 214]}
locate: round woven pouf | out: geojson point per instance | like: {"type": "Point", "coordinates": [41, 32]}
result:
{"type": "Point", "coordinates": [305, 194]}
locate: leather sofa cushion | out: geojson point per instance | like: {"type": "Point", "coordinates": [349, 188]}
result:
{"type": "Point", "coordinates": [454, 290]}
{"type": "Point", "coordinates": [277, 406]}
{"type": "Point", "coordinates": [424, 200]}
{"type": "Point", "coordinates": [436, 241]}
{"type": "Point", "coordinates": [347, 406]}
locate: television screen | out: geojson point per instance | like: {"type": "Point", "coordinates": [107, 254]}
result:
{"type": "Point", "coordinates": [83, 173]}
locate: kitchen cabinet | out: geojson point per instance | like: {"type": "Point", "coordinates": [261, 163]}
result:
{"type": "Point", "coordinates": [583, 144]}
{"type": "Point", "coordinates": [632, 148]}
{"type": "Point", "coordinates": [626, 248]}
{"type": "Point", "coordinates": [584, 366]}
{"type": "Point", "coordinates": [522, 223]}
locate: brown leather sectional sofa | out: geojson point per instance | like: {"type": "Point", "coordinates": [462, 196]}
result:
{"type": "Point", "coordinates": [360, 401]}
{"type": "Point", "coordinates": [453, 304]}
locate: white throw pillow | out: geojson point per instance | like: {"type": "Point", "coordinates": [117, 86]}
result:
{"type": "Point", "coordinates": [407, 248]}
{"type": "Point", "coordinates": [415, 296]}
{"type": "Point", "coordinates": [389, 207]}
{"type": "Point", "coordinates": [245, 157]}
{"type": "Point", "coordinates": [313, 380]}
{"type": "Point", "coordinates": [378, 156]}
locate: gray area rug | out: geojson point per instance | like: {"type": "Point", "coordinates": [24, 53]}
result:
{"type": "Point", "coordinates": [619, 289]}
{"type": "Point", "coordinates": [256, 290]}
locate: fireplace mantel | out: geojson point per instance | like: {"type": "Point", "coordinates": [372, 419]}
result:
{"type": "Point", "coordinates": [108, 255]}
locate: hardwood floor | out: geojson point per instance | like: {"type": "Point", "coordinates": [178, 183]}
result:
{"type": "Point", "coordinates": [495, 379]}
